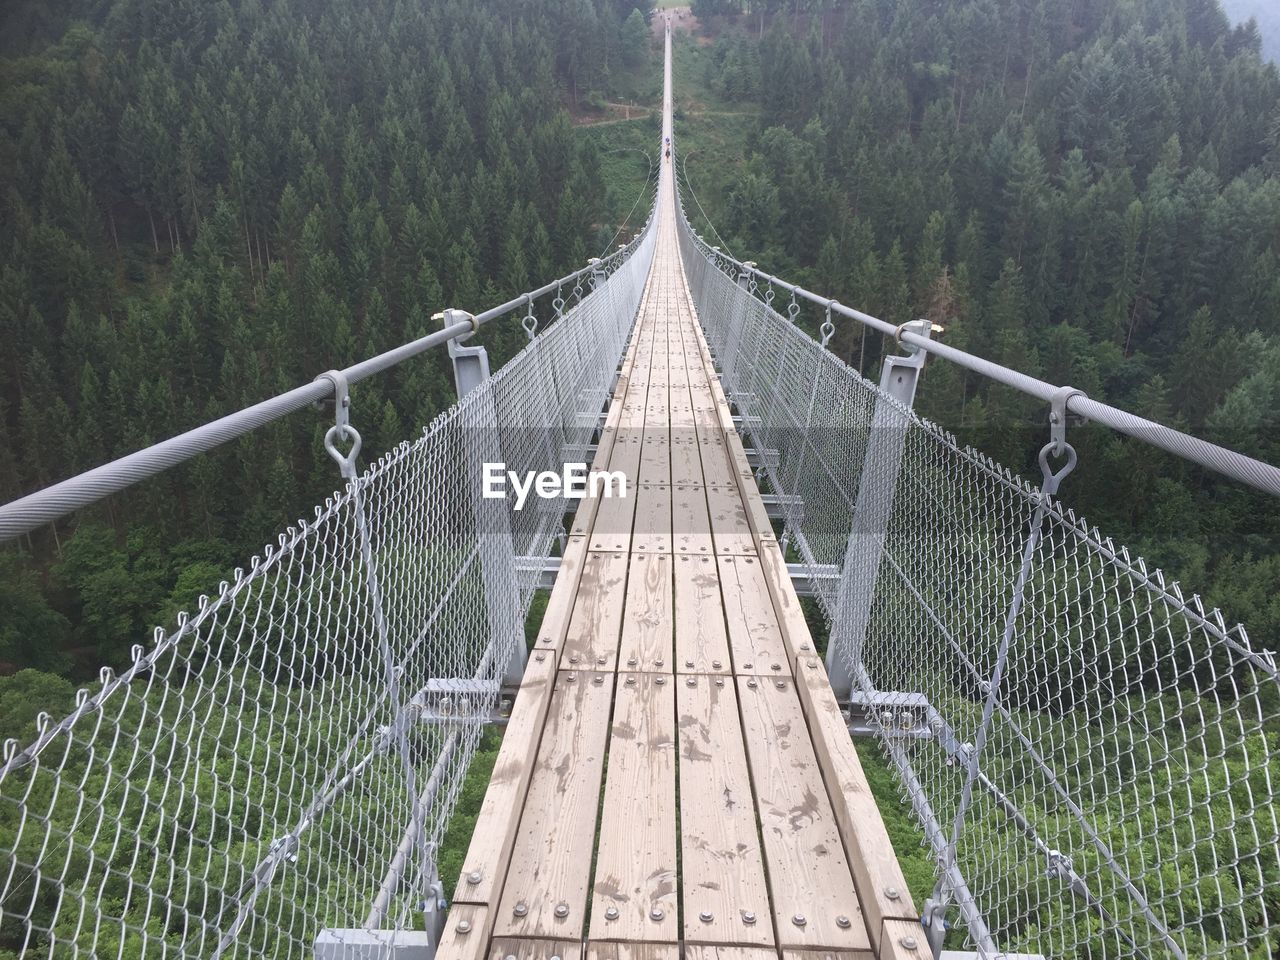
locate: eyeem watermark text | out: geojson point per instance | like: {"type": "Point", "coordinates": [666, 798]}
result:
{"type": "Point", "coordinates": [574, 482]}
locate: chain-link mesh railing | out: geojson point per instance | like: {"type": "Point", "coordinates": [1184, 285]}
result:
{"type": "Point", "coordinates": [286, 759]}
{"type": "Point", "coordinates": [1094, 759]}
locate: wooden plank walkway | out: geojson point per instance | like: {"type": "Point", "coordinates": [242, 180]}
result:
{"type": "Point", "coordinates": [676, 775]}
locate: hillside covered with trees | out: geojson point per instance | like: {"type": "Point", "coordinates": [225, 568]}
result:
{"type": "Point", "coordinates": [205, 204]}
{"type": "Point", "coordinates": [1088, 192]}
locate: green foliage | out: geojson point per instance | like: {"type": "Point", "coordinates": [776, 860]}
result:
{"type": "Point", "coordinates": [1087, 198]}
{"type": "Point", "coordinates": [207, 205]}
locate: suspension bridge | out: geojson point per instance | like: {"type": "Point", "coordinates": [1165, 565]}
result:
{"type": "Point", "coordinates": [1090, 755]}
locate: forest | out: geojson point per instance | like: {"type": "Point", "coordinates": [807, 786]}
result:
{"type": "Point", "coordinates": [1088, 192]}
{"type": "Point", "coordinates": [201, 208]}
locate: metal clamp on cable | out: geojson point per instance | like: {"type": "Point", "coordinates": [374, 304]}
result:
{"type": "Point", "coordinates": [828, 328]}
{"type": "Point", "coordinates": [342, 425]}
{"type": "Point", "coordinates": [530, 322]}
{"type": "Point", "coordinates": [1057, 445]}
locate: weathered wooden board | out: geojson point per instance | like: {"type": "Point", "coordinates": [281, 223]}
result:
{"type": "Point", "coordinates": [634, 890]}
{"type": "Point", "coordinates": [545, 894]}
{"type": "Point", "coordinates": [711, 951]}
{"type": "Point", "coordinates": [882, 888]}
{"type": "Point", "coordinates": [507, 948]}
{"type": "Point", "coordinates": [594, 630]}
{"type": "Point", "coordinates": [603, 950]}
{"type": "Point", "coordinates": [729, 527]}
{"type": "Point", "coordinates": [814, 900]}
{"type": "Point", "coordinates": [648, 622]}
{"type": "Point", "coordinates": [487, 857]}
{"type": "Point", "coordinates": [903, 940]}
{"type": "Point", "coordinates": [755, 641]}
{"type": "Point", "coordinates": [691, 521]}
{"type": "Point", "coordinates": [723, 889]}
{"type": "Point", "coordinates": [466, 932]}
{"type": "Point", "coordinates": [652, 532]}
{"type": "Point", "coordinates": [701, 638]}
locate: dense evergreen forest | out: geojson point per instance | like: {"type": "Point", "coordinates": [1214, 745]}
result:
{"type": "Point", "coordinates": [205, 204]}
{"type": "Point", "coordinates": [1086, 191]}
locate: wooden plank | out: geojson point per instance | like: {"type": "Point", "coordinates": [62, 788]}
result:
{"type": "Point", "coordinates": [786, 604]}
{"type": "Point", "coordinates": [466, 932]}
{"type": "Point", "coordinates": [652, 532]}
{"type": "Point", "coordinates": [564, 594]}
{"type": "Point", "coordinates": [882, 888]}
{"type": "Point", "coordinates": [508, 948]}
{"type": "Point", "coordinates": [686, 458]}
{"type": "Point", "coordinates": [592, 638]}
{"type": "Point", "coordinates": [729, 528]}
{"type": "Point", "coordinates": [904, 940]}
{"type": "Point", "coordinates": [634, 891]}
{"type": "Point", "coordinates": [702, 641]}
{"type": "Point", "coordinates": [755, 640]}
{"type": "Point", "coordinates": [691, 521]}
{"type": "Point", "coordinates": [551, 860]}
{"type": "Point", "coordinates": [480, 881]}
{"type": "Point", "coordinates": [648, 617]}
{"type": "Point", "coordinates": [597, 950]}
{"type": "Point", "coordinates": [724, 894]}
{"type": "Point", "coordinates": [712, 951]}
{"type": "Point", "coordinates": [814, 900]}
{"type": "Point", "coordinates": [614, 517]}
{"type": "Point", "coordinates": [827, 955]}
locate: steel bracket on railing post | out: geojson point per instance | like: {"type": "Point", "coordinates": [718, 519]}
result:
{"type": "Point", "coordinates": [744, 275]}
{"type": "Point", "coordinates": [882, 461]}
{"type": "Point", "coordinates": [470, 364]}
{"type": "Point", "coordinates": [598, 276]}
{"type": "Point", "coordinates": [493, 525]}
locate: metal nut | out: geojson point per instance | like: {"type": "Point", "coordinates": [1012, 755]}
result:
{"type": "Point", "coordinates": [706, 916]}
{"type": "Point", "coordinates": [842, 922]}
{"type": "Point", "coordinates": [691, 682]}
{"type": "Point", "coordinates": [892, 893]}
{"type": "Point", "coordinates": [780, 684]}
{"type": "Point", "coordinates": [656, 913]}
{"type": "Point", "coordinates": [748, 917]}
{"type": "Point", "coordinates": [611, 913]}
{"type": "Point", "coordinates": [630, 681]}
{"type": "Point", "coordinates": [598, 679]}
{"type": "Point", "coordinates": [799, 920]}
{"type": "Point", "coordinates": [464, 926]}
{"type": "Point", "coordinates": [474, 877]}
{"type": "Point", "coordinates": [716, 664]}
{"type": "Point", "coordinates": [752, 684]}
{"type": "Point", "coordinates": [521, 909]}
{"type": "Point", "coordinates": [570, 678]}
{"type": "Point", "coordinates": [562, 910]}
{"type": "Point", "coordinates": [908, 943]}
{"type": "Point", "coordinates": [573, 658]}
{"type": "Point", "coordinates": [659, 680]}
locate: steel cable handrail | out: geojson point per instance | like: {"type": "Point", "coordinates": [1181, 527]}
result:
{"type": "Point", "coordinates": [57, 500]}
{"type": "Point", "coordinates": [1229, 463]}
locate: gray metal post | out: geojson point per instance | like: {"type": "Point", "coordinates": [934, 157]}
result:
{"type": "Point", "coordinates": [871, 513]}
{"type": "Point", "coordinates": [494, 541]}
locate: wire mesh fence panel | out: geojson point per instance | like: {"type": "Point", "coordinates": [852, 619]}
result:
{"type": "Point", "coordinates": [287, 758]}
{"type": "Point", "coordinates": [1094, 759]}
